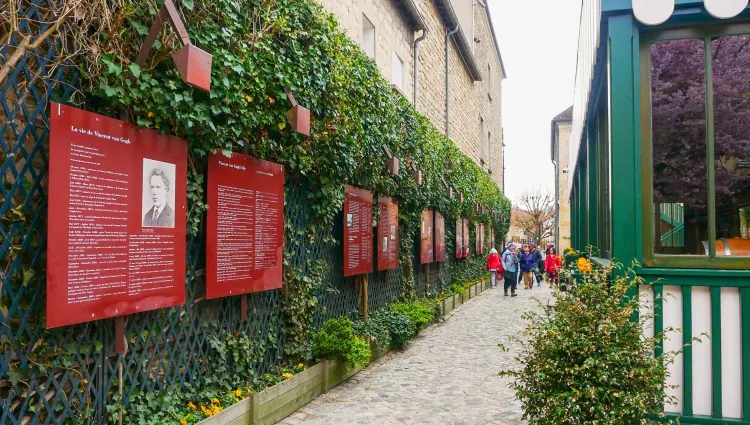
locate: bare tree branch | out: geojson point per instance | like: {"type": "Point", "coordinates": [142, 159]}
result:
{"type": "Point", "coordinates": [537, 216]}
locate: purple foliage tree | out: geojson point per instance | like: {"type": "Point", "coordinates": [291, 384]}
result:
{"type": "Point", "coordinates": [679, 120]}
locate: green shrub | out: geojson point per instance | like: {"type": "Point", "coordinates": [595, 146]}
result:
{"type": "Point", "coordinates": [400, 328]}
{"type": "Point", "coordinates": [586, 361]}
{"type": "Point", "coordinates": [420, 312]}
{"type": "Point", "coordinates": [373, 330]}
{"type": "Point", "coordinates": [336, 341]}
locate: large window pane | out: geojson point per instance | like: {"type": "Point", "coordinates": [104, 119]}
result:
{"type": "Point", "coordinates": [679, 147]}
{"type": "Point", "coordinates": [731, 86]}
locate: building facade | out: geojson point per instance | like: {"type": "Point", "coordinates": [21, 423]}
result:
{"type": "Point", "coordinates": [562, 125]}
{"type": "Point", "coordinates": [442, 55]}
{"type": "Point", "coordinates": [661, 176]}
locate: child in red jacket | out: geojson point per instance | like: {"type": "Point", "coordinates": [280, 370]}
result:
{"type": "Point", "coordinates": [494, 266]}
{"type": "Point", "coordinates": [552, 265]}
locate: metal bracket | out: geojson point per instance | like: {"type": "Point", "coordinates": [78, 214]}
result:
{"type": "Point", "coordinates": [193, 63]}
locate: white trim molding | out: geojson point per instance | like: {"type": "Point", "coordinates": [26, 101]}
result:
{"type": "Point", "coordinates": [655, 12]}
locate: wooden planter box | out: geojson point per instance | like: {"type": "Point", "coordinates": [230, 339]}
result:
{"type": "Point", "coordinates": [277, 402]}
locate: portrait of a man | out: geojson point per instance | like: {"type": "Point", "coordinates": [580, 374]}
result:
{"type": "Point", "coordinates": [158, 186]}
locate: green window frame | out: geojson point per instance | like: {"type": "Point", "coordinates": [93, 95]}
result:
{"type": "Point", "coordinates": [650, 259]}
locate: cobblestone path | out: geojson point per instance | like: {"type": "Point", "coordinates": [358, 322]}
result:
{"type": "Point", "coordinates": [447, 376]}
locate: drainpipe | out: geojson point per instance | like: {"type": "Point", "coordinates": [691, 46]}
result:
{"type": "Point", "coordinates": [447, 81]}
{"type": "Point", "coordinates": [416, 64]}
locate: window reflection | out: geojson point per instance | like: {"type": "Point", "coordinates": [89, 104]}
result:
{"type": "Point", "coordinates": [679, 147]}
{"type": "Point", "coordinates": [731, 90]}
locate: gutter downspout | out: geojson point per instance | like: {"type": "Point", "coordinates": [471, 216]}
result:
{"type": "Point", "coordinates": [416, 65]}
{"type": "Point", "coordinates": [447, 81]}
{"type": "Point", "coordinates": [556, 148]}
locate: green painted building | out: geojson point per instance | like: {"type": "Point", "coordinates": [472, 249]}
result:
{"type": "Point", "coordinates": [660, 153]}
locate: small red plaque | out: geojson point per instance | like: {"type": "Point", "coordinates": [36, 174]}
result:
{"type": "Point", "coordinates": [358, 247]}
{"type": "Point", "coordinates": [194, 66]}
{"type": "Point", "coordinates": [299, 119]}
{"type": "Point", "coordinates": [244, 247]}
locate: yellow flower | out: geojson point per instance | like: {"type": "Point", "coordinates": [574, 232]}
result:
{"type": "Point", "coordinates": [150, 114]}
{"type": "Point", "coordinates": [183, 422]}
{"type": "Point", "coordinates": [287, 375]}
{"type": "Point", "coordinates": [300, 366]}
{"type": "Point", "coordinates": [584, 266]}
{"type": "Point", "coordinates": [215, 400]}
{"type": "Point", "coordinates": [282, 125]}
{"type": "Point", "coordinates": [238, 392]}
{"type": "Point", "coordinates": [191, 406]}
{"type": "Point", "coordinates": [248, 98]}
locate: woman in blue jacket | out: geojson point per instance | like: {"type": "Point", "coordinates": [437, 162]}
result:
{"type": "Point", "coordinates": [527, 266]}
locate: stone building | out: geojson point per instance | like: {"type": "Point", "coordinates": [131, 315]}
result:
{"type": "Point", "coordinates": [561, 129]}
{"type": "Point", "coordinates": [442, 55]}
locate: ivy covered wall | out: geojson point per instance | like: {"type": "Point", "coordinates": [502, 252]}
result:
{"type": "Point", "coordinates": [258, 47]}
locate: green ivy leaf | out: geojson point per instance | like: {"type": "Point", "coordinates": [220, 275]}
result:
{"type": "Point", "coordinates": [135, 69]}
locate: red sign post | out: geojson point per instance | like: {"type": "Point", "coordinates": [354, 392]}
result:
{"type": "Point", "coordinates": [358, 255]}
{"type": "Point", "coordinates": [439, 237]}
{"type": "Point", "coordinates": [244, 248]}
{"type": "Point", "coordinates": [426, 241]}
{"type": "Point", "coordinates": [117, 222]}
{"type": "Point", "coordinates": [387, 234]}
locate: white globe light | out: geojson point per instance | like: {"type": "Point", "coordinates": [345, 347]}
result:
{"type": "Point", "coordinates": [653, 12]}
{"type": "Point", "coordinates": [725, 9]}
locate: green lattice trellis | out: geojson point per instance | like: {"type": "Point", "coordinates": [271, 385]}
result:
{"type": "Point", "coordinates": [72, 375]}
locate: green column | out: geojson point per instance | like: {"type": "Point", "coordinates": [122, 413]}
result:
{"type": "Point", "coordinates": [591, 183]}
{"type": "Point", "coordinates": [625, 139]}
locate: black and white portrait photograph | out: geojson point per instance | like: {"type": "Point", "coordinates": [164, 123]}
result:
{"type": "Point", "coordinates": [158, 193]}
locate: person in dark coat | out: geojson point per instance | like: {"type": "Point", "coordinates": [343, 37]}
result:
{"type": "Point", "coordinates": [160, 214]}
{"type": "Point", "coordinates": [539, 260]}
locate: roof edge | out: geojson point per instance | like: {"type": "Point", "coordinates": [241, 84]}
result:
{"type": "Point", "coordinates": [494, 38]}
{"type": "Point", "coordinates": [415, 17]}
{"type": "Point", "coordinates": [445, 9]}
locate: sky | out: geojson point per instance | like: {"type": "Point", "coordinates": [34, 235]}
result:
{"type": "Point", "coordinates": [538, 42]}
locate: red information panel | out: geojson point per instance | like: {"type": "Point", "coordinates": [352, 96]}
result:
{"type": "Point", "coordinates": [480, 238]}
{"type": "Point", "coordinates": [387, 234]}
{"type": "Point", "coordinates": [357, 232]}
{"type": "Point", "coordinates": [244, 250]}
{"type": "Point", "coordinates": [467, 238]}
{"type": "Point", "coordinates": [116, 228]}
{"type": "Point", "coordinates": [460, 238]}
{"type": "Point", "coordinates": [426, 241]}
{"type": "Point", "coordinates": [439, 237]}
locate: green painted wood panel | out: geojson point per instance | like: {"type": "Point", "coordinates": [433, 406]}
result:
{"type": "Point", "coordinates": [716, 351]}
{"type": "Point", "coordinates": [624, 110]}
{"type": "Point", "coordinates": [687, 364]}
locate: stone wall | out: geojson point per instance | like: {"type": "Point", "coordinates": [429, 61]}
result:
{"type": "Point", "coordinates": [469, 100]}
{"type": "Point", "coordinates": [393, 33]}
{"type": "Point", "coordinates": [563, 130]}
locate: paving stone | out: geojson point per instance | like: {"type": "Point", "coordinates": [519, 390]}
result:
{"type": "Point", "coordinates": [448, 375]}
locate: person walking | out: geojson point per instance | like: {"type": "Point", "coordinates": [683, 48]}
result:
{"type": "Point", "coordinates": [538, 264]}
{"type": "Point", "coordinates": [494, 266]}
{"type": "Point", "coordinates": [510, 275]}
{"type": "Point", "coordinates": [552, 265]}
{"type": "Point", "coordinates": [527, 266]}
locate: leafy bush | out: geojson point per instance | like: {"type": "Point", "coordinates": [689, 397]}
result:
{"type": "Point", "coordinates": [373, 330]}
{"type": "Point", "coordinates": [586, 361]}
{"type": "Point", "coordinates": [421, 312]}
{"type": "Point", "coordinates": [400, 328]}
{"type": "Point", "coordinates": [336, 341]}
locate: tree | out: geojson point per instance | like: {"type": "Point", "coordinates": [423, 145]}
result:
{"type": "Point", "coordinates": [537, 217]}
